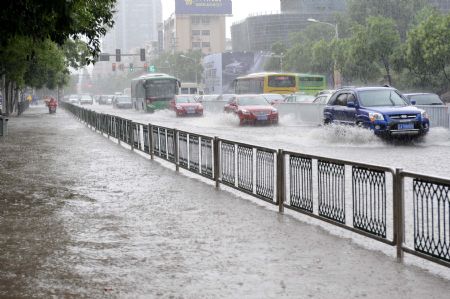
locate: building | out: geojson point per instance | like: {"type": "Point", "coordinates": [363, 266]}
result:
{"type": "Point", "coordinates": [136, 25]}
{"type": "Point", "coordinates": [442, 5]}
{"type": "Point", "coordinates": [197, 25]}
{"type": "Point", "coordinates": [259, 33]}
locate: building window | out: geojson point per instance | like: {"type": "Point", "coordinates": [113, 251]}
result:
{"type": "Point", "coordinates": [205, 32]}
{"type": "Point", "coordinates": [195, 45]}
{"type": "Point", "coordinates": [196, 20]}
{"type": "Point", "coordinates": [206, 44]}
{"type": "Point", "coordinates": [205, 20]}
{"type": "Point", "coordinates": [195, 32]}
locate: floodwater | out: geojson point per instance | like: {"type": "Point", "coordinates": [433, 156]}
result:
{"type": "Point", "coordinates": [429, 155]}
{"type": "Point", "coordinates": [81, 217]}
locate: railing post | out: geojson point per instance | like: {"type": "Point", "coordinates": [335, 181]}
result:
{"type": "Point", "coordinates": [175, 150]}
{"type": "Point", "coordinates": [150, 142]}
{"type": "Point", "coordinates": [280, 181]}
{"type": "Point", "coordinates": [399, 218]}
{"type": "Point", "coordinates": [216, 155]}
{"type": "Point", "coordinates": [119, 124]}
{"type": "Point", "coordinates": [131, 134]}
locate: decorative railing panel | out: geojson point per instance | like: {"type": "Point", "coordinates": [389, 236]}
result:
{"type": "Point", "coordinates": [331, 190]}
{"type": "Point", "coordinates": [301, 186]}
{"type": "Point", "coordinates": [369, 200]}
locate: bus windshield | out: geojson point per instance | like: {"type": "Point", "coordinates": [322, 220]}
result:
{"type": "Point", "coordinates": [161, 88]}
{"type": "Point", "coordinates": [281, 81]}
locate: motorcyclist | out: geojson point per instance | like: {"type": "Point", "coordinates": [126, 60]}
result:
{"type": "Point", "coordinates": [52, 104]}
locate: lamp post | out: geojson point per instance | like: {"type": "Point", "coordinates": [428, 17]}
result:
{"type": "Point", "coordinates": [336, 74]}
{"type": "Point", "coordinates": [195, 65]}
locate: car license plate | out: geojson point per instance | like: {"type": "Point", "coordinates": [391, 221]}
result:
{"type": "Point", "coordinates": [190, 110]}
{"type": "Point", "coordinates": [407, 126]}
{"type": "Point", "coordinates": [261, 117]}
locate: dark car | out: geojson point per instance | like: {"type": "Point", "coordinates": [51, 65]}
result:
{"type": "Point", "coordinates": [252, 109]}
{"type": "Point", "coordinates": [381, 109]}
{"type": "Point", "coordinates": [423, 99]}
{"type": "Point", "coordinates": [121, 101]}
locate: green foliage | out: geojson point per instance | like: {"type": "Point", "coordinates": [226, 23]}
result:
{"type": "Point", "coordinates": [57, 20]}
{"type": "Point", "coordinates": [185, 69]}
{"type": "Point", "coordinates": [427, 52]}
{"type": "Point", "coordinates": [401, 11]}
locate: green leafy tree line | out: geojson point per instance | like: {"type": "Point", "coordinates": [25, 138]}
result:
{"type": "Point", "coordinates": [380, 42]}
{"type": "Point", "coordinates": [41, 40]}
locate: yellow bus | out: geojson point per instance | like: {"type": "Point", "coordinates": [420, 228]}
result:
{"type": "Point", "coordinates": [258, 83]}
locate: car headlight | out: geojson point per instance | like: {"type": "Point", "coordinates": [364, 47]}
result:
{"type": "Point", "coordinates": [274, 110]}
{"type": "Point", "coordinates": [243, 111]}
{"type": "Point", "coordinates": [373, 116]}
{"type": "Point", "coordinates": [178, 107]}
{"type": "Point", "coordinates": [425, 115]}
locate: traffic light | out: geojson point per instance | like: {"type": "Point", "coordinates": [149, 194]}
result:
{"type": "Point", "coordinates": [142, 54]}
{"type": "Point", "coordinates": [114, 67]}
{"type": "Point", "coordinates": [146, 69]}
{"type": "Point", "coordinates": [117, 55]}
{"type": "Point", "coordinates": [152, 69]}
{"type": "Point", "coordinates": [131, 67]}
{"type": "Point", "coordinates": [121, 67]}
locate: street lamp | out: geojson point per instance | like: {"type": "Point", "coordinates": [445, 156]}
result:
{"type": "Point", "coordinates": [195, 65]}
{"type": "Point", "coordinates": [336, 73]}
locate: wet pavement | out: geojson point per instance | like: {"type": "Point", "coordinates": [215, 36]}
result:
{"type": "Point", "coordinates": [81, 216]}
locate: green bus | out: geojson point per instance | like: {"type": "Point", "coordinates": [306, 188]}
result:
{"type": "Point", "coordinates": [153, 91]}
{"type": "Point", "coordinates": [310, 84]}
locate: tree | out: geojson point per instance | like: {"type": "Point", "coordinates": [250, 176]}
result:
{"type": "Point", "coordinates": [184, 68]}
{"type": "Point", "coordinates": [382, 41]}
{"type": "Point", "coordinates": [428, 51]}
{"type": "Point", "coordinates": [57, 20]}
{"type": "Point", "coordinates": [401, 11]}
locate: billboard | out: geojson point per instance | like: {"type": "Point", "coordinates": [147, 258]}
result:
{"type": "Point", "coordinates": [203, 7]}
{"type": "Point", "coordinates": [221, 69]}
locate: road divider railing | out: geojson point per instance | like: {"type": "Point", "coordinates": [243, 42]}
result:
{"type": "Point", "coordinates": [402, 209]}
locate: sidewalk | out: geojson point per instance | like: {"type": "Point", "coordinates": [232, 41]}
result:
{"type": "Point", "coordinates": [81, 216]}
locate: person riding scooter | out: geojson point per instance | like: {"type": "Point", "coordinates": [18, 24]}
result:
{"type": "Point", "coordinates": [52, 104]}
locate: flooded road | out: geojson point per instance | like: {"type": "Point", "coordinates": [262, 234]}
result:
{"type": "Point", "coordinates": [429, 155]}
{"type": "Point", "coordinates": [83, 217]}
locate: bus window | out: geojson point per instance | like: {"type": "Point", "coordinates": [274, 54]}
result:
{"type": "Point", "coordinates": [281, 81]}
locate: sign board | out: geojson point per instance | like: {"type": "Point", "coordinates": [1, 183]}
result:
{"type": "Point", "coordinates": [203, 7]}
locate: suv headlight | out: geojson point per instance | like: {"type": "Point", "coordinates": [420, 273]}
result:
{"type": "Point", "coordinates": [424, 115]}
{"type": "Point", "coordinates": [274, 110]}
{"type": "Point", "coordinates": [373, 116]}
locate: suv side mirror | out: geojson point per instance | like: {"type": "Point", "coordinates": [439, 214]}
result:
{"type": "Point", "coordinates": [351, 104]}
{"type": "Point", "coordinates": [413, 102]}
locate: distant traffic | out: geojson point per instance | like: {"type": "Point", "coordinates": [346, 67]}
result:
{"type": "Point", "coordinates": [259, 96]}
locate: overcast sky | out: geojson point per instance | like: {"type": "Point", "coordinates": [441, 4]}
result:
{"type": "Point", "coordinates": [241, 9]}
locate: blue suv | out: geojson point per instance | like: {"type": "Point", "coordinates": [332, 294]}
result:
{"type": "Point", "coordinates": [381, 109]}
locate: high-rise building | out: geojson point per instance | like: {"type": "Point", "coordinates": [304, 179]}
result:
{"type": "Point", "coordinates": [259, 33]}
{"type": "Point", "coordinates": [197, 25]}
{"type": "Point", "coordinates": [136, 25]}
{"type": "Point", "coordinates": [442, 5]}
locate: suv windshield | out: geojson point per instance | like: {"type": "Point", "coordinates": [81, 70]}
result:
{"type": "Point", "coordinates": [381, 97]}
{"type": "Point", "coordinates": [252, 101]}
